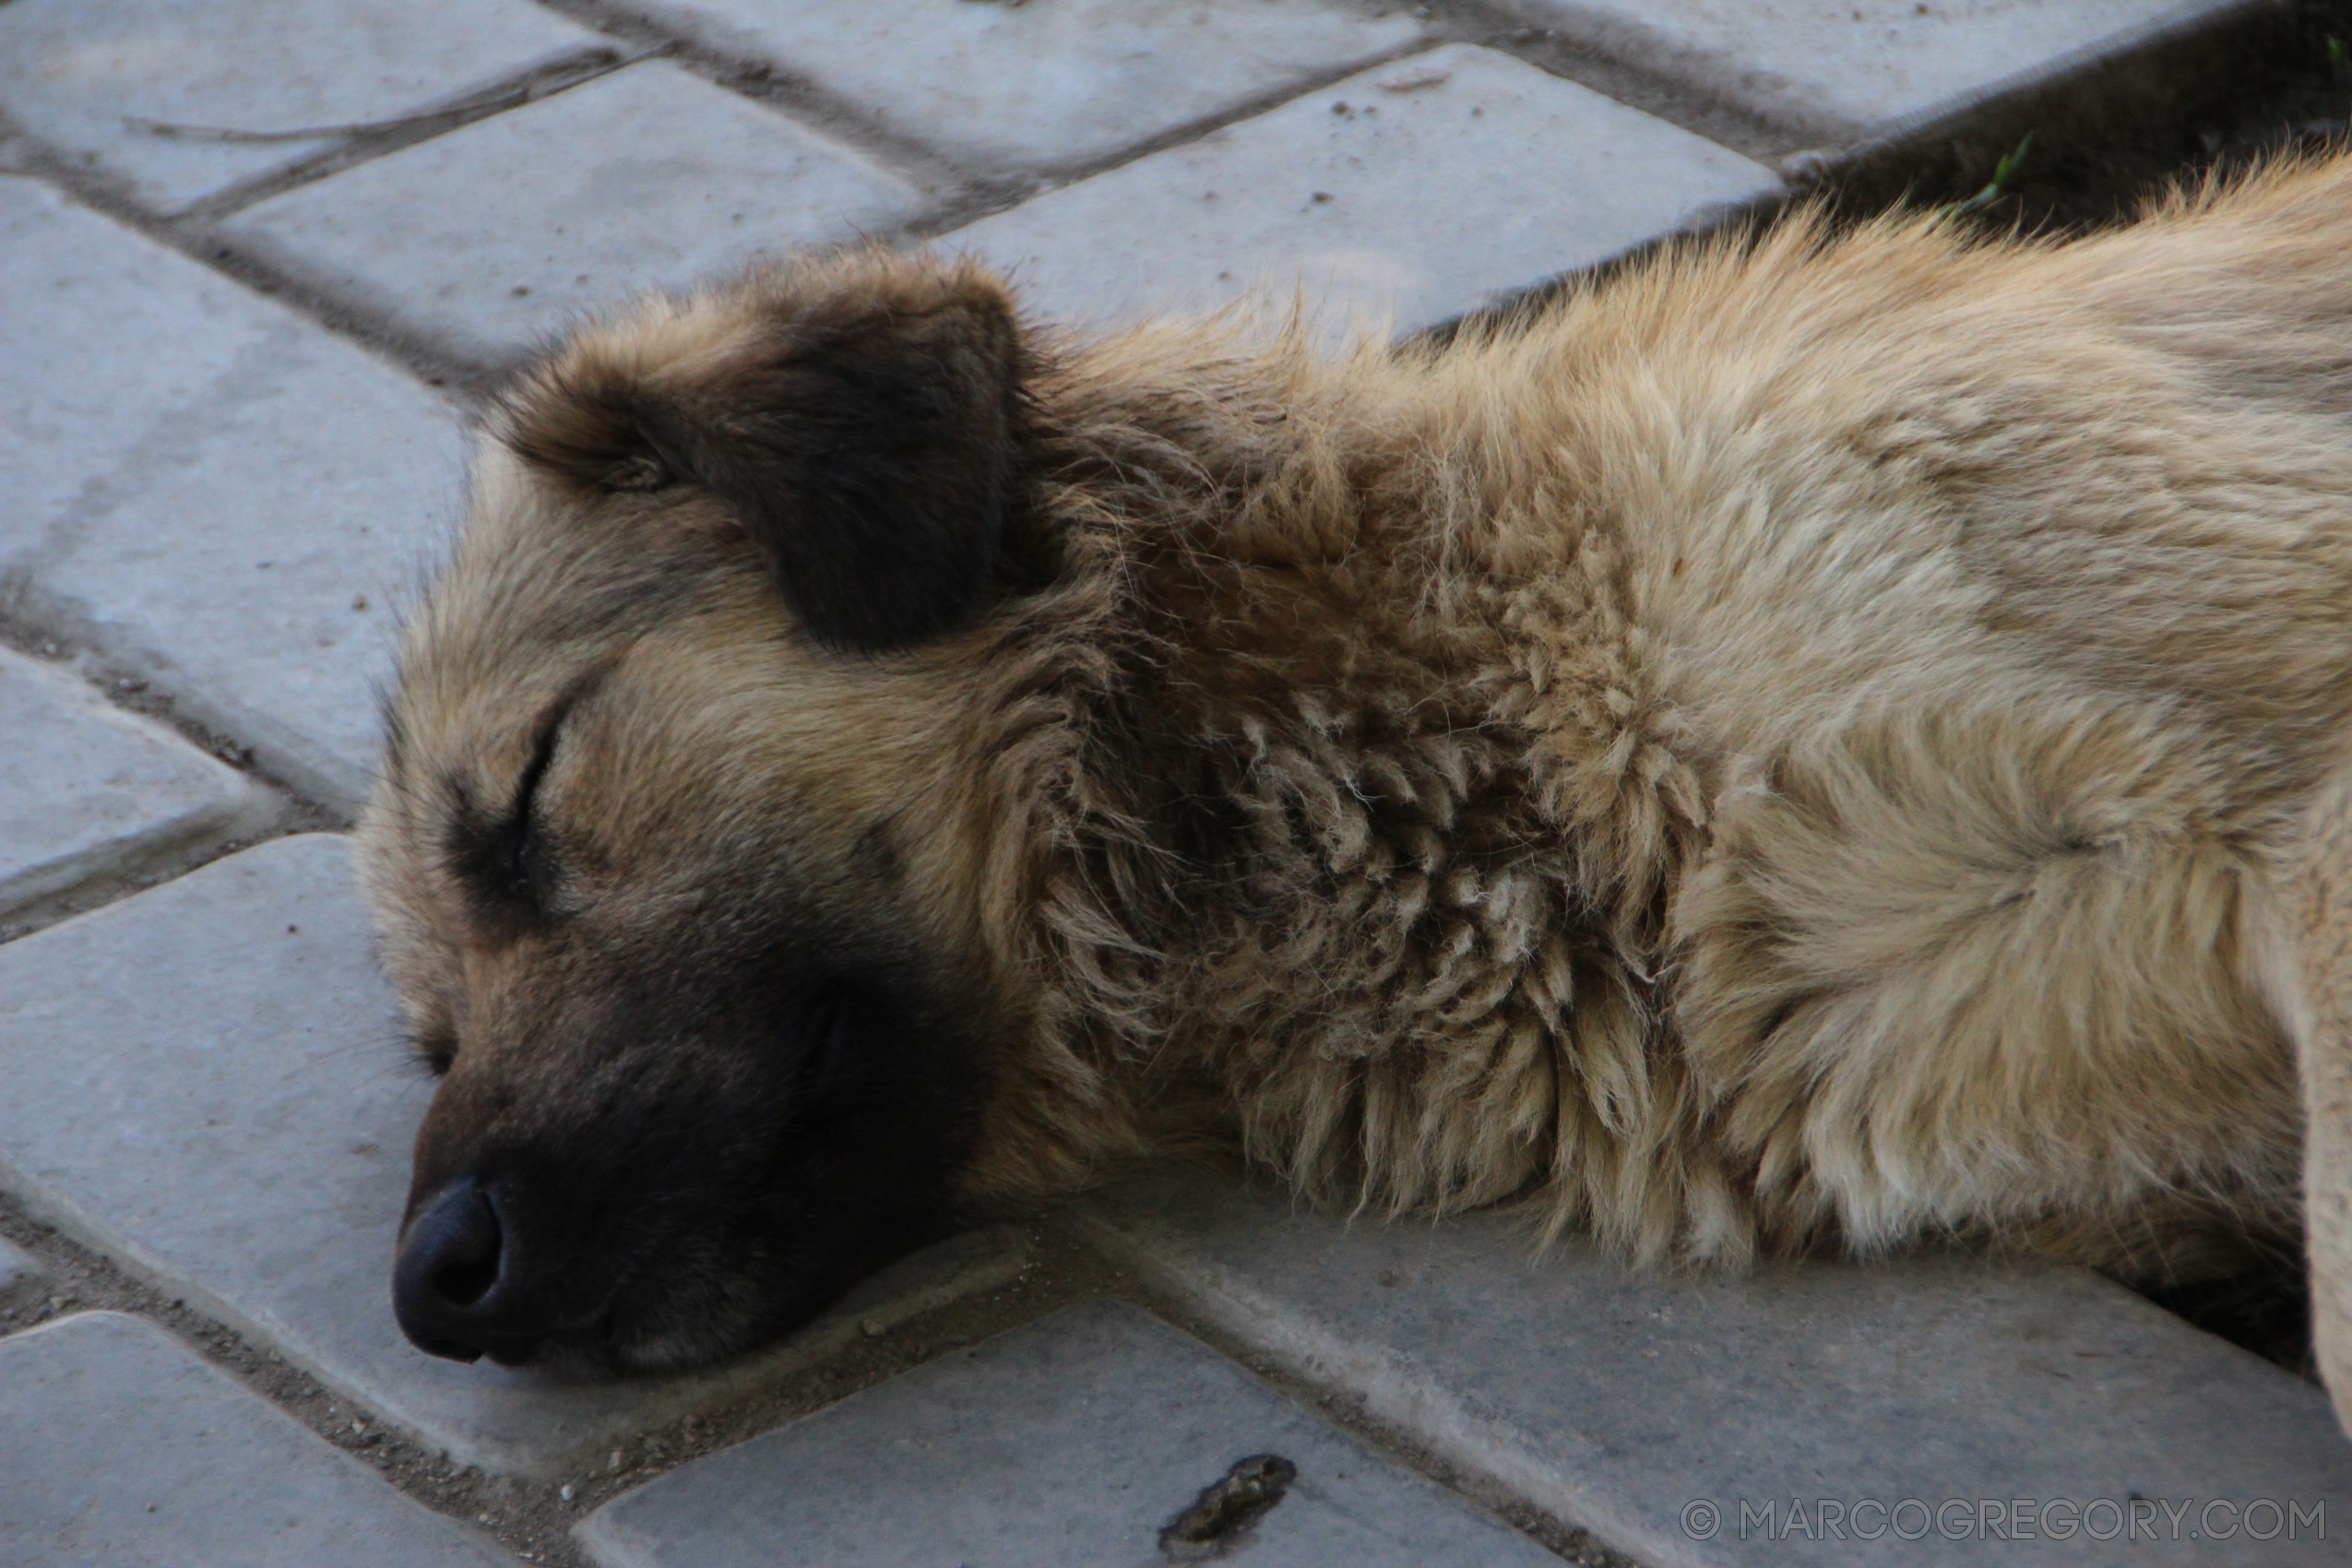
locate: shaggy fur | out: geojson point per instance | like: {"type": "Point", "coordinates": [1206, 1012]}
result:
{"type": "Point", "coordinates": [2314, 983]}
{"type": "Point", "coordinates": [1791, 745]}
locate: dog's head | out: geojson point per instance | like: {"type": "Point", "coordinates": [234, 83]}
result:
{"type": "Point", "coordinates": [678, 850]}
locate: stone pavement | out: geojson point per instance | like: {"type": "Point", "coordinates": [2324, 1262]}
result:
{"type": "Point", "coordinates": [255, 257]}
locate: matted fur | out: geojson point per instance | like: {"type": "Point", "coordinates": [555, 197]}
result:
{"type": "Point", "coordinates": [1788, 746]}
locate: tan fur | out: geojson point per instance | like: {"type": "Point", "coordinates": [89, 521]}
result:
{"type": "Point", "coordinates": [1789, 746]}
{"type": "Point", "coordinates": [2310, 974]}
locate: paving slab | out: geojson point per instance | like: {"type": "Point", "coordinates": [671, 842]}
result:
{"type": "Point", "coordinates": [19, 1276]}
{"type": "Point", "coordinates": [1408, 192]}
{"type": "Point", "coordinates": [122, 1448]}
{"type": "Point", "coordinates": [88, 791]}
{"type": "Point", "coordinates": [91, 78]}
{"type": "Point", "coordinates": [1899, 1402]}
{"type": "Point", "coordinates": [1843, 69]}
{"type": "Point", "coordinates": [205, 1082]}
{"type": "Point", "coordinates": [214, 493]}
{"type": "Point", "coordinates": [1001, 86]}
{"type": "Point", "coordinates": [500, 234]}
{"type": "Point", "coordinates": [1073, 1440]}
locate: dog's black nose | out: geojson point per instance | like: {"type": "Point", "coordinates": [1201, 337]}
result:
{"type": "Point", "coordinates": [445, 1286]}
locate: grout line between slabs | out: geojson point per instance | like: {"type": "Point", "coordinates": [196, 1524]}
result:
{"type": "Point", "coordinates": [1658, 94]}
{"type": "Point", "coordinates": [777, 87]}
{"type": "Point", "coordinates": [81, 1278]}
{"type": "Point", "coordinates": [154, 862]}
{"type": "Point", "coordinates": [354, 145]}
{"type": "Point", "coordinates": [462, 381]}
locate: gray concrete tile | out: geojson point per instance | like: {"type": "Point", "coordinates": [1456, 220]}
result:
{"type": "Point", "coordinates": [71, 413]}
{"type": "Point", "coordinates": [20, 1276]}
{"type": "Point", "coordinates": [81, 74]}
{"type": "Point", "coordinates": [210, 489]}
{"type": "Point", "coordinates": [1411, 191]}
{"type": "Point", "coordinates": [1073, 1442]}
{"type": "Point", "coordinates": [1649, 1411]}
{"type": "Point", "coordinates": [493, 235]}
{"type": "Point", "coordinates": [1840, 71]}
{"type": "Point", "coordinates": [203, 1082]}
{"type": "Point", "coordinates": [87, 790]}
{"type": "Point", "coordinates": [1001, 87]}
{"type": "Point", "coordinates": [123, 1449]}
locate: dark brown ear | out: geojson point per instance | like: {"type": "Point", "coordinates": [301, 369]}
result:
{"type": "Point", "coordinates": [861, 419]}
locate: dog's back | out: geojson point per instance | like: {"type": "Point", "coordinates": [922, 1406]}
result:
{"type": "Point", "coordinates": [2019, 583]}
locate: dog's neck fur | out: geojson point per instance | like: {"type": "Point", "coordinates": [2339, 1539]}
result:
{"type": "Point", "coordinates": [1349, 863]}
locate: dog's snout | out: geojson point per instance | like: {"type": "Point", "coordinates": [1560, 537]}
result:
{"type": "Point", "coordinates": [446, 1285]}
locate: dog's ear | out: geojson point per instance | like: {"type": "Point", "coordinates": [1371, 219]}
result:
{"type": "Point", "coordinates": [861, 420]}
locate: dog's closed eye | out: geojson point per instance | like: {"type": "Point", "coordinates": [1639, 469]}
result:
{"type": "Point", "coordinates": [640, 472]}
{"type": "Point", "coordinates": [436, 1048]}
{"type": "Point", "coordinates": [521, 866]}
{"type": "Point", "coordinates": [509, 863]}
